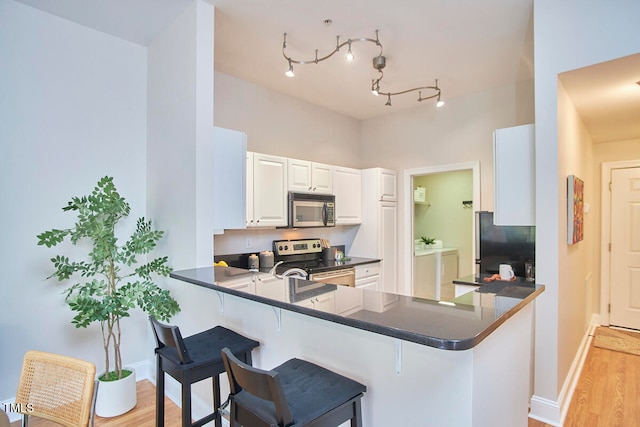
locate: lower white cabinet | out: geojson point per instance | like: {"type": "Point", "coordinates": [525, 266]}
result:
{"type": "Point", "coordinates": [348, 300]}
{"type": "Point", "coordinates": [424, 275]}
{"type": "Point", "coordinates": [324, 302]}
{"type": "Point", "coordinates": [448, 267]}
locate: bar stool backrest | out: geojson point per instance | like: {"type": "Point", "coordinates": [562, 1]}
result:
{"type": "Point", "coordinates": [260, 383]}
{"type": "Point", "coordinates": [169, 336]}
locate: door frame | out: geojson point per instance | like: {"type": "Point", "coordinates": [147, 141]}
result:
{"type": "Point", "coordinates": [409, 175]}
{"type": "Point", "coordinates": [605, 235]}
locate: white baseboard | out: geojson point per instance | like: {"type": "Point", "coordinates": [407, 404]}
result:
{"type": "Point", "coordinates": [554, 412]}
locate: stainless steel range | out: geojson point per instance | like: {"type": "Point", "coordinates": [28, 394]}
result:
{"type": "Point", "coordinates": [306, 255]}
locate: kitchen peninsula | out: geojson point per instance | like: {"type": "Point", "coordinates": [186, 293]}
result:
{"type": "Point", "coordinates": [425, 362]}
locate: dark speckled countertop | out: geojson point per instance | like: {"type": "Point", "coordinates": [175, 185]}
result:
{"type": "Point", "coordinates": [458, 325]}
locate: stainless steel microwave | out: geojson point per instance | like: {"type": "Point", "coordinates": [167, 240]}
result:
{"type": "Point", "coordinates": [311, 210]}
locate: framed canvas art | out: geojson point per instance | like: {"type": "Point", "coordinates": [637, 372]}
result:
{"type": "Point", "coordinates": [575, 209]}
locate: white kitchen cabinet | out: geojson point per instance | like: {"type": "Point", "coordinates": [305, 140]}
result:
{"type": "Point", "coordinates": [309, 177]}
{"type": "Point", "coordinates": [347, 187]}
{"type": "Point", "coordinates": [448, 266]}
{"type": "Point", "coordinates": [424, 275]}
{"type": "Point", "coordinates": [266, 191]}
{"type": "Point", "coordinates": [229, 153]}
{"type": "Point", "coordinates": [269, 286]}
{"type": "Point", "coordinates": [377, 235]}
{"type": "Point", "coordinates": [325, 302]}
{"type": "Point", "coordinates": [514, 176]}
{"type": "Point", "coordinates": [348, 300]}
{"type": "Point", "coordinates": [387, 185]}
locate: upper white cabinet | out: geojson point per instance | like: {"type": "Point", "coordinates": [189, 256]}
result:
{"type": "Point", "coordinates": [387, 190]}
{"type": "Point", "coordinates": [514, 176]}
{"type": "Point", "coordinates": [266, 190]}
{"type": "Point", "coordinates": [229, 152]}
{"type": "Point", "coordinates": [309, 177]}
{"type": "Point", "coordinates": [347, 187]}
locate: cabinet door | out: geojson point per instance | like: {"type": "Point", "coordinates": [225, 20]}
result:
{"type": "Point", "coordinates": [388, 185]}
{"type": "Point", "coordinates": [387, 246]}
{"type": "Point", "coordinates": [325, 302]}
{"type": "Point", "coordinates": [348, 300]}
{"type": "Point", "coordinates": [449, 268]}
{"type": "Point", "coordinates": [269, 190]}
{"type": "Point", "coordinates": [299, 178]}
{"type": "Point", "coordinates": [348, 191]}
{"type": "Point", "coordinates": [229, 194]}
{"type": "Point", "coordinates": [249, 193]}
{"type": "Point", "coordinates": [321, 178]}
{"type": "Point", "coordinates": [424, 276]}
{"type": "Point", "coordinates": [514, 176]}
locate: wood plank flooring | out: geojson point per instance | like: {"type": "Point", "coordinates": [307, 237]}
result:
{"type": "Point", "coordinates": [606, 396]}
{"type": "Point", "coordinates": [607, 392]}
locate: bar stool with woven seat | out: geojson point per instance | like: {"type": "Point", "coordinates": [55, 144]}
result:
{"type": "Point", "coordinates": [193, 359]}
{"type": "Point", "coordinates": [297, 393]}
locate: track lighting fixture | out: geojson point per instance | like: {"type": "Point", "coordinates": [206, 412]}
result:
{"type": "Point", "coordinates": [379, 62]}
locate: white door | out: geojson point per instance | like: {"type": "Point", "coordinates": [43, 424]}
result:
{"type": "Point", "coordinates": [625, 248]}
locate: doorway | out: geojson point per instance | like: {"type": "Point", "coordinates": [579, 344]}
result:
{"type": "Point", "coordinates": [470, 204]}
{"type": "Point", "coordinates": [618, 305]}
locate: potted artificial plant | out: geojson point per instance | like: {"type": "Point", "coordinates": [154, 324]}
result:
{"type": "Point", "coordinates": [115, 278]}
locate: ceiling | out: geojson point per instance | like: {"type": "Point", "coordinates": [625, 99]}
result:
{"type": "Point", "coordinates": [468, 45]}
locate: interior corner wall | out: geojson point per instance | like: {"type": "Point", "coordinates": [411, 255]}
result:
{"type": "Point", "coordinates": [564, 40]}
{"type": "Point", "coordinates": [72, 109]}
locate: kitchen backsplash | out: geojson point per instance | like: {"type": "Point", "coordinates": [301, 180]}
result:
{"type": "Point", "coordinates": [236, 241]}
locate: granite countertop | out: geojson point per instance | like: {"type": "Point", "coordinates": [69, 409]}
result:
{"type": "Point", "coordinates": [458, 325]}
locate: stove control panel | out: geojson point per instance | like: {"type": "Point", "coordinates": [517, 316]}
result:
{"type": "Point", "coordinates": [296, 247]}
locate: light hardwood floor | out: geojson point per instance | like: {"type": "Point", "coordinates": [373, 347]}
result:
{"type": "Point", "coordinates": [606, 396]}
{"type": "Point", "coordinates": [607, 392]}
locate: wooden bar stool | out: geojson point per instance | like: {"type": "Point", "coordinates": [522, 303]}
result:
{"type": "Point", "coordinates": [193, 359]}
{"type": "Point", "coordinates": [296, 393]}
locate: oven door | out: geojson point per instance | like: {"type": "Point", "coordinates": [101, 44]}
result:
{"type": "Point", "coordinates": [343, 276]}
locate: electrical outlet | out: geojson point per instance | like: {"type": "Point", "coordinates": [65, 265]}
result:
{"type": "Point", "coordinates": [248, 243]}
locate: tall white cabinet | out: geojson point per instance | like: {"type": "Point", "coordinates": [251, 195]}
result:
{"type": "Point", "coordinates": [229, 165]}
{"type": "Point", "coordinates": [514, 176]}
{"type": "Point", "coordinates": [377, 236]}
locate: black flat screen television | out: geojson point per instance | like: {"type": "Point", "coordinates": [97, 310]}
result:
{"type": "Point", "coordinates": [499, 244]}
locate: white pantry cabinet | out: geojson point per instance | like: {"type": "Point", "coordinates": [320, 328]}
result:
{"type": "Point", "coordinates": [309, 177]}
{"type": "Point", "coordinates": [514, 176]}
{"type": "Point", "coordinates": [347, 187]}
{"type": "Point", "coordinates": [229, 153]}
{"type": "Point", "coordinates": [377, 235]}
{"type": "Point", "coordinates": [266, 191]}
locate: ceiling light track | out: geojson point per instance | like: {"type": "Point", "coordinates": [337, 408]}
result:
{"type": "Point", "coordinates": [379, 62]}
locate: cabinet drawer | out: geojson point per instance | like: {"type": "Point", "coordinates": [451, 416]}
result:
{"type": "Point", "coordinates": [367, 270]}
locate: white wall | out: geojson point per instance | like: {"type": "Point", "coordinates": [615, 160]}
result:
{"type": "Point", "coordinates": [72, 109]}
{"type": "Point", "coordinates": [567, 36]}
{"type": "Point", "coordinates": [576, 272]}
{"type": "Point", "coordinates": [284, 126]}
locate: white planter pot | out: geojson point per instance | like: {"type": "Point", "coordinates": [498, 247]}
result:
{"type": "Point", "coordinates": [116, 397]}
